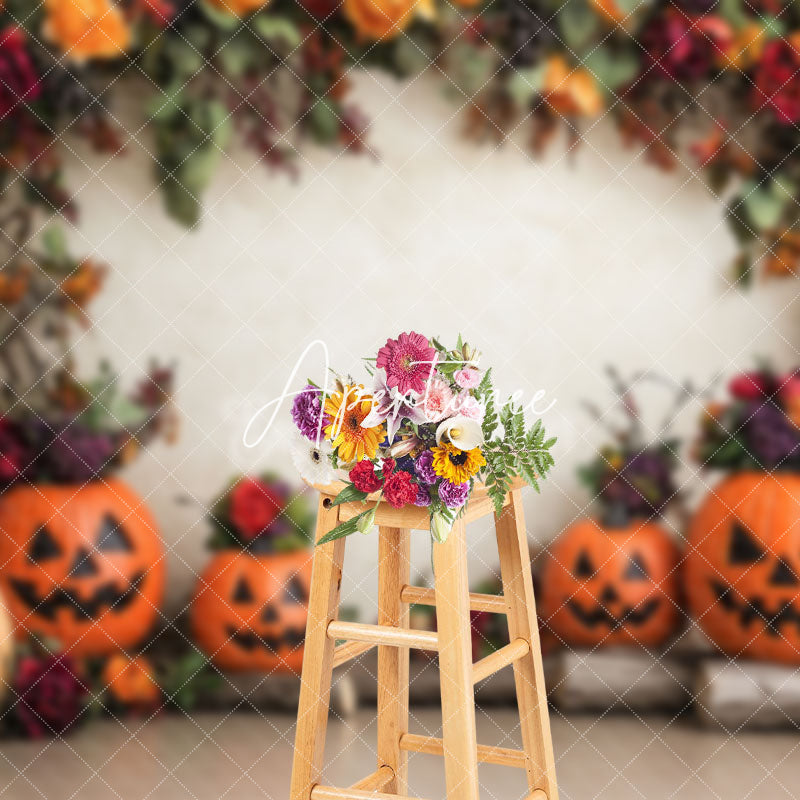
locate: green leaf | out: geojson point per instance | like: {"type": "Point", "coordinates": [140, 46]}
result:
{"type": "Point", "coordinates": [348, 495]}
{"type": "Point", "coordinates": [733, 12]}
{"type": "Point", "coordinates": [579, 24]}
{"type": "Point", "coordinates": [764, 205]}
{"type": "Point", "coordinates": [525, 84]}
{"type": "Point", "coordinates": [236, 56]}
{"type": "Point", "coordinates": [345, 529]}
{"type": "Point", "coordinates": [612, 68]}
{"type": "Point", "coordinates": [273, 28]}
{"type": "Point", "coordinates": [54, 241]}
{"type": "Point", "coordinates": [325, 121]}
{"type": "Point", "coordinates": [185, 61]}
{"type": "Point", "coordinates": [221, 18]}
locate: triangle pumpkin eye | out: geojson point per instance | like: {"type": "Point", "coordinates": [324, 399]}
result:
{"type": "Point", "coordinates": [111, 537]}
{"type": "Point", "coordinates": [636, 570]}
{"type": "Point", "coordinates": [744, 547]}
{"type": "Point", "coordinates": [43, 546]}
{"type": "Point", "coordinates": [583, 566]}
{"type": "Point", "coordinates": [242, 593]}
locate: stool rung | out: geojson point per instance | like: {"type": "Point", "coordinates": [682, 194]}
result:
{"type": "Point", "coordinates": [383, 634]}
{"type": "Point", "coordinates": [331, 793]}
{"type": "Point", "coordinates": [537, 794]}
{"type": "Point", "coordinates": [494, 662]}
{"type": "Point", "coordinates": [492, 603]}
{"type": "Point", "coordinates": [487, 754]}
{"type": "Point", "coordinates": [376, 782]}
{"type": "Point", "coordinates": [348, 651]}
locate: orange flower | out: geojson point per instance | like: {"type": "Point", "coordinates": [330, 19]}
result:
{"type": "Point", "coordinates": [86, 29]}
{"type": "Point", "coordinates": [610, 10]}
{"type": "Point", "coordinates": [13, 285]}
{"type": "Point", "coordinates": [571, 91]}
{"type": "Point", "coordinates": [745, 48]}
{"type": "Point", "coordinates": [783, 260]}
{"type": "Point", "coordinates": [131, 681]}
{"type": "Point", "coordinates": [238, 8]}
{"type": "Point", "coordinates": [84, 283]}
{"type": "Point", "coordinates": [381, 19]}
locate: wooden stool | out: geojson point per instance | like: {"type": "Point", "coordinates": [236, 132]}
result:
{"type": "Point", "coordinates": [458, 673]}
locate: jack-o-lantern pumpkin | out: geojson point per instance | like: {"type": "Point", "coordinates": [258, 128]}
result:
{"type": "Point", "coordinates": [610, 585]}
{"type": "Point", "coordinates": [249, 611]}
{"type": "Point", "coordinates": [83, 564]}
{"type": "Point", "coordinates": [743, 566]}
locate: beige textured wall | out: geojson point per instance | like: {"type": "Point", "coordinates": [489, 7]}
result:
{"type": "Point", "coordinates": [554, 268]}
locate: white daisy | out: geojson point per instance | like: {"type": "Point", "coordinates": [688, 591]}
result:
{"type": "Point", "coordinates": [312, 462]}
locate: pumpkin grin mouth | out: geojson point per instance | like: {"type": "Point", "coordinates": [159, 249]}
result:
{"type": "Point", "coordinates": [106, 596]}
{"type": "Point", "coordinates": [755, 609]}
{"type": "Point", "coordinates": [600, 615]}
{"type": "Point", "coordinates": [249, 640]}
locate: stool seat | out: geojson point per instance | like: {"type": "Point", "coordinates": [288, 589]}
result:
{"type": "Point", "coordinates": [452, 641]}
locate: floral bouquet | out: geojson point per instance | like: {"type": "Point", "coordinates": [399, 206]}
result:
{"type": "Point", "coordinates": [758, 428]}
{"type": "Point", "coordinates": [261, 514]}
{"type": "Point", "coordinates": [422, 436]}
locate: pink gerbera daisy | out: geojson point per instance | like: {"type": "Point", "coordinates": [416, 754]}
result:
{"type": "Point", "coordinates": [408, 361]}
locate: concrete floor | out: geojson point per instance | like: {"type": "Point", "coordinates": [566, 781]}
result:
{"type": "Point", "coordinates": [248, 757]}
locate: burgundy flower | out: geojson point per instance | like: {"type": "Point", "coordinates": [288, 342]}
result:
{"type": "Point", "coordinates": [49, 695]}
{"type": "Point", "coordinates": [12, 452]}
{"type": "Point", "coordinates": [19, 83]}
{"type": "Point", "coordinates": [254, 507]}
{"type": "Point", "coordinates": [685, 48]}
{"type": "Point", "coordinates": [776, 84]}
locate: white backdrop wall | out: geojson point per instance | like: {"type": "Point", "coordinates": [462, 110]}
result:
{"type": "Point", "coordinates": [555, 268]}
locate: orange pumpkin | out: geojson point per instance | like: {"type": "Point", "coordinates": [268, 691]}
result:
{"type": "Point", "coordinates": [83, 564]}
{"type": "Point", "coordinates": [249, 611]}
{"type": "Point", "coordinates": [743, 566]}
{"type": "Point", "coordinates": [615, 585]}
{"type": "Point", "coordinates": [131, 681]}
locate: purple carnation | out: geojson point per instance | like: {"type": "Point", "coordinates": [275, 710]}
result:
{"type": "Point", "coordinates": [423, 466]}
{"type": "Point", "coordinates": [423, 497]}
{"type": "Point", "coordinates": [307, 410]}
{"type": "Point", "coordinates": [454, 495]}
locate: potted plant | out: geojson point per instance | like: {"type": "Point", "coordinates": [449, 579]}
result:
{"type": "Point", "coordinates": [613, 579]}
{"type": "Point", "coordinates": [81, 560]}
{"type": "Point", "coordinates": [743, 563]}
{"type": "Point", "coordinates": [249, 607]}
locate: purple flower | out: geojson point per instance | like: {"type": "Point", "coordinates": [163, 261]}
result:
{"type": "Point", "coordinates": [423, 466]}
{"type": "Point", "coordinates": [306, 412]}
{"type": "Point", "coordinates": [423, 497]}
{"type": "Point", "coordinates": [454, 495]}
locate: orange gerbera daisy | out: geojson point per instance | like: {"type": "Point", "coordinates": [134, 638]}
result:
{"type": "Point", "coordinates": [86, 29]}
{"type": "Point", "coordinates": [347, 410]}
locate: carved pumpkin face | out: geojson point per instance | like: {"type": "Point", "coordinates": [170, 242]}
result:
{"type": "Point", "coordinates": [249, 611]}
{"type": "Point", "coordinates": [610, 586]}
{"type": "Point", "coordinates": [81, 564]}
{"type": "Point", "coordinates": [743, 566]}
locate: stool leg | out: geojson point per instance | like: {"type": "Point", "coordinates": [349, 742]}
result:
{"type": "Point", "coordinates": [515, 569]}
{"type": "Point", "coordinates": [394, 552]}
{"type": "Point", "coordinates": [455, 666]}
{"type": "Point", "coordinates": [315, 686]}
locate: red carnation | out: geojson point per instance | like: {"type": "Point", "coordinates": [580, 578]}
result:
{"type": "Point", "coordinates": [254, 507]}
{"type": "Point", "coordinates": [750, 386]}
{"type": "Point", "coordinates": [19, 83]}
{"type": "Point", "coordinates": [776, 81]}
{"type": "Point", "coordinates": [364, 478]}
{"type": "Point", "coordinates": [399, 490]}
{"type": "Point", "coordinates": [388, 467]}
{"type": "Point", "coordinates": [50, 695]}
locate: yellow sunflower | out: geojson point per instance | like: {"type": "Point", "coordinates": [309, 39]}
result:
{"type": "Point", "coordinates": [346, 411]}
{"type": "Point", "coordinates": [456, 466]}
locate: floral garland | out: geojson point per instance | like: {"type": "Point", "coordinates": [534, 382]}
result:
{"type": "Point", "coordinates": [423, 436]}
{"type": "Point", "coordinates": [718, 72]}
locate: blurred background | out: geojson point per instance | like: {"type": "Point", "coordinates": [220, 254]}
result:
{"type": "Point", "coordinates": [601, 198]}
